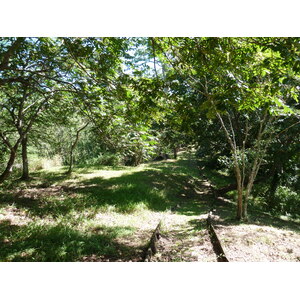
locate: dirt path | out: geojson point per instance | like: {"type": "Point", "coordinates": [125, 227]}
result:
{"type": "Point", "coordinates": [183, 234]}
{"type": "Point", "coordinates": [262, 239]}
{"type": "Point", "coordinates": [185, 237]}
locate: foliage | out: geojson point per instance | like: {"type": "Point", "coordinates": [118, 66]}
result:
{"type": "Point", "coordinates": [234, 99]}
{"type": "Point", "coordinates": [288, 201]}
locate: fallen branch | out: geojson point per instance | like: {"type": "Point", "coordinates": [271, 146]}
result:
{"type": "Point", "coordinates": [221, 257]}
{"type": "Point", "coordinates": [152, 246]}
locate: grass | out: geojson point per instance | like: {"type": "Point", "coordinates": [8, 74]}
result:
{"type": "Point", "coordinates": [109, 214]}
{"type": "Point", "coordinates": [95, 212]}
{"type": "Point", "coordinates": [218, 178]}
{"type": "Point", "coordinates": [59, 242]}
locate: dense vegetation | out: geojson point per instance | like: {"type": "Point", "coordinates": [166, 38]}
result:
{"type": "Point", "coordinates": [124, 101]}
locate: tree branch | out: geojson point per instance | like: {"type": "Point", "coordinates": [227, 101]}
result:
{"type": "Point", "coordinates": [10, 52]}
{"type": "Point", "coordinates": [6, 141]}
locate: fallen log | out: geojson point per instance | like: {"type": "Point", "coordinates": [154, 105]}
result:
{"type": "Point", "coordinates": [218, 249]}
{"type": "Point", "coordinates": [151, 248]}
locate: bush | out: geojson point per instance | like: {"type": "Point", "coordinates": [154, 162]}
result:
{"type": "Point", "coordinates": [109, 159]}
{"type": "Point", "coordinates": [288, 201]}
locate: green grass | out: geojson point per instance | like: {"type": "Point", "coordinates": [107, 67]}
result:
{"type": "Point", "coordinates": [55, 217]}
{"type": "Point", "coordinates": [218, 178]}
{"type": "Point", "coordinates": [109, 213]}
{"type": "Point", "coordinates": [59, 242]}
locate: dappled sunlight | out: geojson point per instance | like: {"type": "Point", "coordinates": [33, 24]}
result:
{"type": "Point", "coordinates": [184, 238]}
{"type": "Point", "coordinates": [109, 215]}
{"type": "Point", "coordinates": [64, 243]}
{"type": "Point", "coordinates": [105, 141]}
{"type": "Point", "coordinates": [260, 238]}
{"type": "Point", "coordinates": [142, 219]}
{"type": "Point", "coordinates": [75, 211]}
{"type": "Point", "coordinates": [14, 216]}
{"type": "Point", "coordinates": [104, 174]}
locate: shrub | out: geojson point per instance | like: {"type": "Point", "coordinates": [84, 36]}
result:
{"type": "Point", "coordinates": [288, 200]}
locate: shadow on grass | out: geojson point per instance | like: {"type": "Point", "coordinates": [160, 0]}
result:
{"type": "Point", "coordinates": [226, 211]}
{"type": "Point", "coordinates": [162, 186]}
{"type": "Point", "coordinates": [62, 243]}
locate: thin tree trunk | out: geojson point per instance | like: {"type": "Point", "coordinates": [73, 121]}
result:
{"type": "Point", "coordinates": [239, 213]}
{"type": "Point", "coordinates": [175, 149]}
{"type": "Point", "coordinates": [256, 163]}
{"type": "Point", "coordinates": [25, 171]}
{"type": "Point", "coordinates": [249, 187]}
{"type": "Point", "coordinates": [71, 162]}
{"type": "Point", "coordinates": [73, 148]}
{"type": "Point", "coordinates": [22, 130]}
{"type": "Point", "coordinates": [10, 164]}
{"type": "Point", "coordinates": [238, 175]}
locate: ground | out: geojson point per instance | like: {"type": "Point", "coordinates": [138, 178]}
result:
{"type": "Point", "coordinates": [109, 214]}
{"type": "Point", "coordinates": [263, 238]}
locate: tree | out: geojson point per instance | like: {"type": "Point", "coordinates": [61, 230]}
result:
{"type": "Point", "coordinates": [73, 147]}
{"type": "Point", "coordinates": [241, 80]}
{"type": "Point", "coordinates": [40, 80]}
{"type": "Point", "coordinates": [36, 72]}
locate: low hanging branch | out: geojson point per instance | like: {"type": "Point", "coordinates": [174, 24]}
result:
{"type": "Point", "coordinates": [74, 146]}
{"type": "Point", "coordinates": [6, 141]}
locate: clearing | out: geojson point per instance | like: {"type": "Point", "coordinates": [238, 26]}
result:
{"type": "Point", "coordinates": [109, 214]}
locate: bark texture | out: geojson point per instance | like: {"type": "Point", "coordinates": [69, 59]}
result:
{"type": "Point", "coordinates": [25, 169]}
{"type": "Point", "coordinates": [10, 163]}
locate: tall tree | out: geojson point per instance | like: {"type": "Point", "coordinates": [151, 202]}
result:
{"type": "Point", "coordinates": [41, 70]}
{"type": "Point", "coordinates": [241, 80]}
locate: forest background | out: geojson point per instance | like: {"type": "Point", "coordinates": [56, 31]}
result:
{"type": "Point", "coordinates": [224, 20]}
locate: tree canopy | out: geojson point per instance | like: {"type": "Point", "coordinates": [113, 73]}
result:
{"type": "Point", "coordinates": [130, 100]}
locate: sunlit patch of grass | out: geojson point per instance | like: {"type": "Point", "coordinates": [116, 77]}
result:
{"type": "Point", "coordinates": [224, 172]}
{"type": "Point", "coordinates": [105, 174]}
{"type": "Point", "coordinates": [61, 243]}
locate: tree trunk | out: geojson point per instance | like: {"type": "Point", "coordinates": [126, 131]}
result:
{"type": "Point", "coordinates": [73, 146]}
{"type": "Point", "coordinates": [239, 213]}
{"type": "Point", "coordinates": [273, 186]}
{"type": "Point", "coordinates": [9, 165]}
{"type": "Point", "coordinates": [25, 171]}
{"type": "Point", "coordinates": [71, 159]}
{"type": "Point", "coordinates": [237, 170]}
{"type": "Point", "coordinates": [175, 149]}
{"type": "Point", "coordinates": [245, 209]}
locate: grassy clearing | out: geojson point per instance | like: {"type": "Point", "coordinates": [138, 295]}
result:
{"type": "Point", "coordinates": [95, 214]}
{"type": "Point", "coordinates": [108, 214]}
